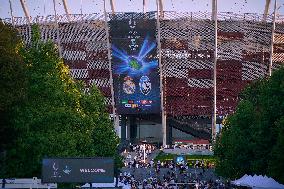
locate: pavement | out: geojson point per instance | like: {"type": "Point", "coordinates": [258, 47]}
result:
{"type": "Point", "coordinates": [153, 155]}
{"type": "Point", "coordinates": [144, 173]}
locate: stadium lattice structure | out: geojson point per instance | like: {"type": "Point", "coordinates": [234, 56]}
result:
{"type": "Point", "coordinates": [187, 56]}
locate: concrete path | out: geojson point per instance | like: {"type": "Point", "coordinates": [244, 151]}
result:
{"type": "Point", "coordinates": [144, 173]}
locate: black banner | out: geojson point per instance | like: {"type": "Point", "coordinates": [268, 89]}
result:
{"type": "Point", "coordinates": [83, 170]}
{"type": "Point", "coordinates": [135, 64]}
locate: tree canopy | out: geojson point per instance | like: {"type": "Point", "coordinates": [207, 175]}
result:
{"type": "Point", "coordinates": [56, 118]}
{"type": "Point", "coordinates": [252, 139]}
{"type": "Point", "coordinates": [12, 79]}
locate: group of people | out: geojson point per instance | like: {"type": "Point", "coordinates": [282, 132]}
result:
{"type": "Point", "coordinates": [138, 155]}
{"type": "Point", "coordinates": [184, 165]}
{"type": "Point", "coordinates": [170, 180]}
{"type": "Point", "coordinates": [164, 175]}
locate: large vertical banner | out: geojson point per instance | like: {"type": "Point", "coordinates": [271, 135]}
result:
{"type": "Point", "coordinates": [135, 64]}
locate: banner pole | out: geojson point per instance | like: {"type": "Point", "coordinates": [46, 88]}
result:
{"type": "Point", "coordinates": [57, 31]}
{"type": "Point", "coordinates": [272, 39]}
{"type": "Point", "coordinates": [115, 116]}
{"type": "Point", "coordinates": [164, 118]}
{"type": "Point", "coordinates": [215, 72]}
{"type": "Point", "coordinates": [11, 12]}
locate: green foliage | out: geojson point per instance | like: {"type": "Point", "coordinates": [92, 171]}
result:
{"type": "Point", "coordinates": [252, 139]}
{"type": "Point", "coordinates": [56, 118]}
{"type": "Point", "coordinates": [276, 165]}
{"type": "Point", "coordinates": [12, 80]}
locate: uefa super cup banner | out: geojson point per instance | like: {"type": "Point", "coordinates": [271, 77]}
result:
{"type": "Point", "coordinates": [135, 64]}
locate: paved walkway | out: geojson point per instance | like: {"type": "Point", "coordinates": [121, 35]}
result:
{"type": "Point", "coordinates": [144, 173]}
{"type": "Point", "coordinates": [153, 155]}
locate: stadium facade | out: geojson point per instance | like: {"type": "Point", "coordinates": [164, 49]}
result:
{"type": "Point", "coordinates": [185, 46]}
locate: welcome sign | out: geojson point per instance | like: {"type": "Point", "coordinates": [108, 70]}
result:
{"type": "Point", "coordinates": [71, 170]}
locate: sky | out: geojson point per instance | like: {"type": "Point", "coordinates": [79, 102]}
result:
{"type": "Point", "coordinates": [45, 7]}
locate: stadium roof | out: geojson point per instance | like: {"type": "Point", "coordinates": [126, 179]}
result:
{"type": "Point", "coordinates": [46, 7]}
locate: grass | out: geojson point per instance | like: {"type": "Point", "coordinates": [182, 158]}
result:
{"type": "Point", "coordinates": [190, 158]}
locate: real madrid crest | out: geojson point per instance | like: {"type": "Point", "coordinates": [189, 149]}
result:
{"type": "Point", "coordinates": [128, 85]}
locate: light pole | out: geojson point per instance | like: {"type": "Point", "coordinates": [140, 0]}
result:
{"type": "Point", "coordinates": [139, 126]}
{"type": "Point", "coordinates": [139, 118]}
{"type": "Point", "coordinates": [144, 154]}
{"type": "Point", "coordinates": [144, 150]}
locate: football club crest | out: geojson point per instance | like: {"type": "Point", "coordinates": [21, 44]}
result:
{"type": "Point", "coordinates": [145, 85]}
{"type": "Point", "coordinates": [128, 85]}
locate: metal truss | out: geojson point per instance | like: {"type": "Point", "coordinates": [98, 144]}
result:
{"type": "Point", "coordinates": [187, 54]}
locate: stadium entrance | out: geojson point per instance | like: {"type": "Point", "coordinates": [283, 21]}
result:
{"type": "Point", "coordinates": [139, 128]}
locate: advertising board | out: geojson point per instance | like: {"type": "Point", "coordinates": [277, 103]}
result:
{"type": "Point", "coordinates": [82, 170]}
{"type": "Point", "coordinates": [135, 65]}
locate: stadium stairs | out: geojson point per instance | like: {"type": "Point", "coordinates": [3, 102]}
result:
{"type": "Point", "coordinates": [197, 127]}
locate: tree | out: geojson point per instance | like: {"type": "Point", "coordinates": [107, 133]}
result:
{"type": "Point", "coordinates": [232, 145]}
{"type": "Point", "coordinates": [276, 163]}
{"type": "Point", "coordinates": [12, 80]}
{"type": "Point", "coordinates": [252, 140]}
{"type": "Point", "coordinates": [56, 118]}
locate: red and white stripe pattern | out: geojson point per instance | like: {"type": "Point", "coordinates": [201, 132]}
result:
{"type": "Point", "coordinates": [187, 41]}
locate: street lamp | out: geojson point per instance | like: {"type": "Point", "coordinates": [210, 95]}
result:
{"type": "Point", "coordinates": [139, 118]}
{"type": "Point", "coordinates": [144, 142]}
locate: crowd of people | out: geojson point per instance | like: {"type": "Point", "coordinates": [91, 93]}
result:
{"type": "Point", "coordinates": [137, 156]}
{"type": "Point", "coordinates": [169, 180]}
{"type": "Point", "coordinates": [164, 175]}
